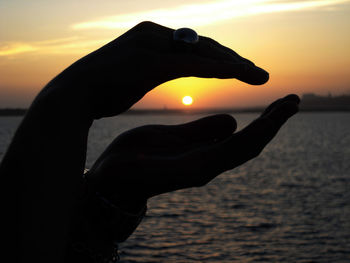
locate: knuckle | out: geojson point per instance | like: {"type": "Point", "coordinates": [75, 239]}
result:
{"type": "Point", "coordinates": [207, 39]}
{"type": "Point", "coordinates": [256, 152]}
{"type": "Point", "coordinates": [145, 25]}
{"type": "Point", "coordinates": [252, 150]}
{"type": "Point", "coordinates": [201, 183]}
{"type": "Point", "coordinates": [214, 43]}
{"type": "Point", "coordinates": [230, 119]}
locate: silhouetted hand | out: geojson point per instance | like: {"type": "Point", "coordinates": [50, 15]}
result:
{"type": "Point", "coordinates": [139, 164]}
{"type": "Point", "coordinates": [155, 159]}
{"type": "Point", "coordinates": [114, 77]}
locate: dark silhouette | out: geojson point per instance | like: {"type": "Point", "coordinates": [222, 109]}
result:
{"type": "Point", "coordinates": [62, 216]}
{"type": "Point", "coordinates": [12, 112]}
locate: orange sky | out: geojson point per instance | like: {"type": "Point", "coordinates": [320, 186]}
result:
{"type": "Point", "coordinates": [303, 44]}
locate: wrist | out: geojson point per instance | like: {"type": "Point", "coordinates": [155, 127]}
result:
{"type": "Point", "coordinates": [99, 226]}
{"type": "Point", "coordinates": [128, 200]}
{"type": "Point", "coordinates": [65, 103]}
{"type": "Point", "coordinates": [127, 204]}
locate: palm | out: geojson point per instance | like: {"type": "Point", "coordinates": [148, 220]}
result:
{"type": "Point", "coordinates": [147, 159]}
{"type": "Point", "coordinates": [156, 159]}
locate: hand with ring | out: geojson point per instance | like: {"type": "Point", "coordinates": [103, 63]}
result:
{"type": "Point", "coordinates": [151, 160]}
{"type": "Point", "coordinates": [139, 164]}
{"type": "Point", "coordinates": [114, 77]}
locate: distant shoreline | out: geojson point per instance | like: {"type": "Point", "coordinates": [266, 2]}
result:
{"type": "Point", "coordinates": [309, 103]}
{"type": "Point", "coordinates": [346, 108]}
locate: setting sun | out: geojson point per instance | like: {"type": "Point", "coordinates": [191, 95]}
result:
{"type": "Point", "coordinates": [187, 100]}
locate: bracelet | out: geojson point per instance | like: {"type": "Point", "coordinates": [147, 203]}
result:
{"type": "Point", "coordinates": [99, 226]}
{"type": "Point", "coordinates": [123, 223]}
{"type": "Point", "coordinates": [79, 252]}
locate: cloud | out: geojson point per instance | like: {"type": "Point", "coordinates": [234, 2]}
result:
{"type": "Point", "coordinates": [71, 45]}
{"type": "Point", "coordinates": [193, 15]}
{"type": "Point", "coordinates": [9, 49]}
{"type": "Point", "coordinates": [196, 15]}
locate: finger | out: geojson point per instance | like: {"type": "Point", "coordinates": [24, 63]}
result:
{"type": "Point", "coordinates": [215, 60]}
{"type": "Point", "coordinates": [177, 138]}
{"type": "Point", "coordinates": [207, 58]}
{"type": "Point", "coordinates": [180, 138]}
{"type": "Point", "coordinates": [210, 48]}
{"type": "Point", "coordinates": [192, 65]}
{"type": "Point", "coordinates": [208, 161]}
{"type": "Point", "coordinates": [209, 128]}
{"type": "Point", "coordinates": [206, 47]}
{"type": "Point", "coordinates": [171, 139]}
{"type": "Point", "coordinates": [148, 26]}
{"type": "Point", "coordinates": [292, 97]}
{"type": "Point", "coordinates": [282, 112]}
{"type": "Point", "coordinates": [260, 132]}
{"type": "Point", "coordinates": [161, 173]}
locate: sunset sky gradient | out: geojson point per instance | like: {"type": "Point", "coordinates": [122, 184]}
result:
{"type": "Point", "coordinates": [303, 44]}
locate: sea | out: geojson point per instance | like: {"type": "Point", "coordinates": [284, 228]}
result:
{"type": "Point", "coordinates": [290, 204]}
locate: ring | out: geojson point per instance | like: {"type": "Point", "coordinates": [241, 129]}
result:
{"type": "Point", "coordinates": [186, 35]}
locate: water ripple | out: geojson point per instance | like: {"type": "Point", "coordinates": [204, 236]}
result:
{"type": "Point", "coordinates": [291, 204]}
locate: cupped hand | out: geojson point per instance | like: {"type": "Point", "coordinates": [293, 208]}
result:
{"type": "Point", "coordinates": [155, 159]}
{"type": "Point", "coordinates": [114, 77]}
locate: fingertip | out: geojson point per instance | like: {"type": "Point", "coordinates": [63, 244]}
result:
{"type": "Point", "coordinates": [262, 76]}
{"type": "Point", "coordinates": [281, 113]}
{"type": "Point", "coordinates": [292, 97]}
{"type": "Point", "coordinates": [227, 121]}
{"type": "Point", "coordinates": [223, 124]}
{"type": "Point", "coordinates": [255, 76]}
{"type": "Point", "coordinates": [212, 127]}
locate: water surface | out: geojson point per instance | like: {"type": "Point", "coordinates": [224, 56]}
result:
{"type": "Point", "coordinates": [291, 204]}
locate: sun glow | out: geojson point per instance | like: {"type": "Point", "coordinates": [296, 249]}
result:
{"type": "Point", "coordinates": [187, 100]}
